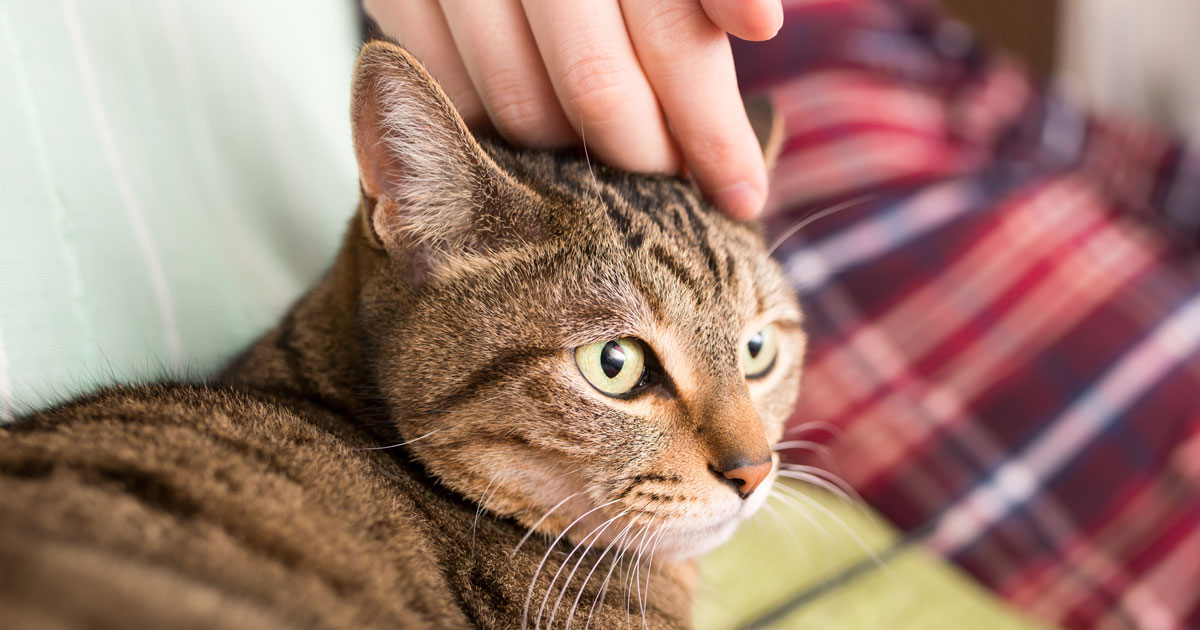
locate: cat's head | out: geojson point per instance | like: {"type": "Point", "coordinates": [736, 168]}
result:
{"type": "Point", "coordinates": [570, 345]}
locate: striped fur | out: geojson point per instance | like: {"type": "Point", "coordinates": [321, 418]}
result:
{"type": "Point", "coordinates": [377, 458]}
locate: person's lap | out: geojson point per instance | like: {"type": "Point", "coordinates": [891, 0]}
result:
{"type": "Point", "coordinates": [1005, 320]}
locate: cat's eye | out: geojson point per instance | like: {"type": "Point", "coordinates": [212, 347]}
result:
{"type": "Point", "coordinates": [759, 352]}
{"type": "Point", "coordinates": [613, 367]}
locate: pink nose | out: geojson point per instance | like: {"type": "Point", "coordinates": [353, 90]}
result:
{"type": "Point", "coordinates": [747, 478]}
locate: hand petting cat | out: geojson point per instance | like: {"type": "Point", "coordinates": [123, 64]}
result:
{"type": "Point", "coordinates": [648, 84]}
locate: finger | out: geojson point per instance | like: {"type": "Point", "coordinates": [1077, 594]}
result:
{"type": "Point", "coordinates": [690, 65]}
{"type": "Point", "coordinates": [503, 63]}
{"type": "Point", "coordinates": [419, 26]}
{"type": "Point", "coordinates": [600, 84]}
{"type": "Point", "coordinates": [753, 20]}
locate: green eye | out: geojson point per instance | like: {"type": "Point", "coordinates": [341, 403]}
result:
{"type": "Point", "coordinates": [613, 367]}
{"type": "Point", "coordinates": [758, 355]}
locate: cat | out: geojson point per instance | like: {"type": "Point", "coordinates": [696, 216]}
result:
{"type": "Point", "coordinates": [526, 392]}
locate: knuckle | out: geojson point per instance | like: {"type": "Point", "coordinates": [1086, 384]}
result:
{"type": "Point", "coordinates": [519, 117]}
{"type": "Point", "coordinates": [514, 102]}
{"type": "Point", "coordinates": [595, 82]}
{"type": "Point", "coordinates": [675, 23]}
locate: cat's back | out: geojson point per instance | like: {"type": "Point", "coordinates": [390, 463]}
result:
{"type": "Point", "coordinates": [183, 506]}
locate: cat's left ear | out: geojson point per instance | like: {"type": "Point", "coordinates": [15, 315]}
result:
{"type": "Point", "coordinates": [429, 189]}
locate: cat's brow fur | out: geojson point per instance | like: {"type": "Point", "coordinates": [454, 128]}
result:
{"type": "Point", "coordinates": [335, 474]}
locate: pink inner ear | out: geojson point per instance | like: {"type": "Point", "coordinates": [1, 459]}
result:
{"type": "Point", "coordinates": [378, 169]}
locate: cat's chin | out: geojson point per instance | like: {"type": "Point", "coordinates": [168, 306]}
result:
{"type": "Point", "coordinates": [681, 545]}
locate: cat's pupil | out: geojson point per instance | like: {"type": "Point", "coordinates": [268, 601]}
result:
{"type": "Point", "coordinates": [755, 345]}
{"type": "Point", "coordinates": [612, 359]}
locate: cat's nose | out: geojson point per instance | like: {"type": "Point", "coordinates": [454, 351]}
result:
{"type": "Point", "coordinates": [746, 477]}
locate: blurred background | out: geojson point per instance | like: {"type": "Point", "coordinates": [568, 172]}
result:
{"type": "Point", "coordinates": [1133, 57]}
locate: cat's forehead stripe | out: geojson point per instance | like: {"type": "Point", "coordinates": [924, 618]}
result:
{"type": "Point", "coordinates": [680, 255]}
{"type": "Point", "coordinates": [638, 216]}
{"type": "Point", "coordinates": [679, 271]}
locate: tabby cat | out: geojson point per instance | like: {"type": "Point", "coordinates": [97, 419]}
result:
{"type": "Point", "coordinates": [525, 393]}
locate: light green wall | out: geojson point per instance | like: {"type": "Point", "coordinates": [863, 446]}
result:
{"type": "Point", "coordinates": [172, 174]}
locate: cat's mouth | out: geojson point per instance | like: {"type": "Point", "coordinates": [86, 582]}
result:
{"type": "Point", "coordinates": [686, 540]}
{"type": "Point", "coordinates": [673, 538]}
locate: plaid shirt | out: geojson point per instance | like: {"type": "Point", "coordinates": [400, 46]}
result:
{"type": "Point", "coordinates": [1005, 352]}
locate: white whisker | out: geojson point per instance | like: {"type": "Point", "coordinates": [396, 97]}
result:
{"type": "Point", "coordinates": [599, 601]}
{"type": "Point", "coordinates": [797, 507]}
{"type": "Point", "coordinates": [588, 159]}
{"type": "Point", "coordinates": [854, 501]}
{"type": "Point", "coordinates": [616, 541]}
{"type": "Point", "coordinates": [842, 489]}
{"type": "Point", "coordinates": [405, 443]}
{"type": "Point", "coordinates": [635, 567]}
{"type": "Point", "coordinates": [814, 480]}
{"type": "Point", "coordinates": [804, 222]}
{"type": "Point", "coordinates": [841, 523]}
{"type": "Point", "coordinates": [633, 570]}
{"type": "Point", "coordinates": [595, 536]}
{"type": "Point", "coordinates": [834, 431]}
{"type": "Point", "coordinates": [534, 527]}
{"type": "Point", "coordinates": [783, 524]}
{"type": "Point", "coordinates": [479, 509]}
{"type": "Point", "coordinates": [649, 573]}
{"type": "Point", "coordinates": [549, 550]}
{"type": "Point", "coordinates": [821, 450]}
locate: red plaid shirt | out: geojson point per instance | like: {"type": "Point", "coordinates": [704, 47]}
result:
{"type": "Point", "coordinates": [1006, 336]}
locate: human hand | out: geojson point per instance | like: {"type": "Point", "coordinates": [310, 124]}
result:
{"type": "Point", "coordinates": [649, 83]}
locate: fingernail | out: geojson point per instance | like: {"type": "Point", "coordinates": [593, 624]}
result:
{"type": "Point", "coordinates": [740, 201]}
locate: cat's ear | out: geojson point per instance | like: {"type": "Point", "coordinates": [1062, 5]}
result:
{"type": "Point", "coordinates": [767, 122]}
{"type": "Point", "coordinates": [422, 173]}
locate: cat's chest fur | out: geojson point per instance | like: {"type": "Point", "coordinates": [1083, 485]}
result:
{"type": "Point", "coordinates": [225, 508]}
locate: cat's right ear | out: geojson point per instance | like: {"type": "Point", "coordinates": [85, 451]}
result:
{"type": "Point", "coordinates": [767, 123]}
{"type": "Point", "coordinates": [422, 173]}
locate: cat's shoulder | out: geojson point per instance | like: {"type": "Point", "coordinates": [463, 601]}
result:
{"type": "Point", "coordinates": [134, 411]}
{"type": "Point", "coordinates": [193, 433]}
{"type": "Point", "coordinates": [273, 507]}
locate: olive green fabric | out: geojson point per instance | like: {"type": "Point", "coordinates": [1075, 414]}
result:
{"type": "Point", "coordinates": [845, 563]}
{"type": "Point", "coordinates": [172, 174]}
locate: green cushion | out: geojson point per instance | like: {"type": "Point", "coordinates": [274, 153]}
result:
{"type": "Point", "coordinates": [815, 549]}
{"type": "Point", "coordinates": [172, 175]}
